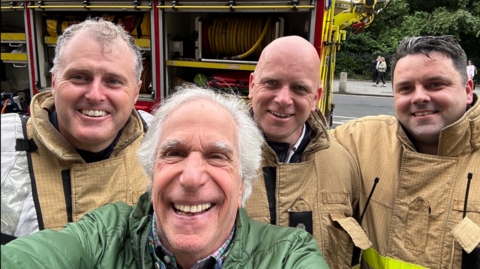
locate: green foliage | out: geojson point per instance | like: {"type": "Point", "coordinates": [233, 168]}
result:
{"type": "Point", "coordinates": [460, 18]}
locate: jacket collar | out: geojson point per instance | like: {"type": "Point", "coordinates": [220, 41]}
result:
{"type": "Point", "coordinates": [320, 138]}
{"type": "Point", "coordinates": [457, 139]}
{"type": "Point", "coordinates": [43, 104]}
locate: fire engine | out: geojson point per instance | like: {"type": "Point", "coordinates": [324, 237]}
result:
{"type": "Point", "coordinates": [215, 43]}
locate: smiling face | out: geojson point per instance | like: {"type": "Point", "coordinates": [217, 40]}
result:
{"type": "Point", "coordinates": [285, 88]}
{"type": "Point", "coordinates": [196, 187]}
{"type": "Point", "coordinates": [429, 95]}
{"type": "Point", "coordinates": [94, 90]}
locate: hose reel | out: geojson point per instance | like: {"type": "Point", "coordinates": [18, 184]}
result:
{"type": "Point", "coordinates": [237, 37]}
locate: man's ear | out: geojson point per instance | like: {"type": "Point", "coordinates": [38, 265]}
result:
{"type": "Point", "coordinates": [53, 84]}
{"type": "Point", "coordinates": [137, 93]}
{"type": "Point", "coordinates": [240, 195]}
{"type": "Point", "coordinates": [469, 89]}
{"type": "Point", "coordinates": [251, 84]}
{"type": "Point", "coordinates": [317, 98]}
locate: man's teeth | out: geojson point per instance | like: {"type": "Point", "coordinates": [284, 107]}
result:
{"type": "Point", "coordinates": [424, 113]}
{"type": "Point", "coordinates": [280, 115]}
{"type": "Point", "coordinates": [192, 208]}
{"type": "Point", "coordinates": [94, 113]}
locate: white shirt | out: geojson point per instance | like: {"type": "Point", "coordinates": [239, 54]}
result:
{"type": "Point", "coordinates": [471, 71]}
{"type": "Point", "coordinates": [295, 147]}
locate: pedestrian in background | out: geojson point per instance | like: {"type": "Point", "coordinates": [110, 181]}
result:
{"type": "Point", "coordinates": [382, 67]}
{"type": "Point", "coordinates": [471, 71]}
{"type": "Point", "coordinates": [375, 66]}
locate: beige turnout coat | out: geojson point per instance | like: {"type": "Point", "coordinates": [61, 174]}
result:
{"type": "Point", "coordinates": [320, 192]}
{"type": "Point", "coordinates": [120, 178]}
{"type": "Point", "coordinates": [415, 216]}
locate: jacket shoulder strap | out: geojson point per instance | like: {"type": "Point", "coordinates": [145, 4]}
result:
{"type": "Point", "coordinates": [25, 144]}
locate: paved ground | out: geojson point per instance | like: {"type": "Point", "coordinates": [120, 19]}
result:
{"type": "Point", "coordinates": [358, 87]}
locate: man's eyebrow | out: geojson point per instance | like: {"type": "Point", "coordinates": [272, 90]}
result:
{"type": "Point", "coordinates": [273, 77]}
{"type": "Point", "coordinates": [402, 83]}
{"type": "Point", "coordinates": [170, 144]}
{"type": "Point", "coordinates": [269, 77]}
{"type": "Point", "coordinates": [303, 84]}
{"type": "Point", "coordinates": [428, 79]}
{"type": "Point", "coordinates": [221, 147]}
{"type": "Point", "coordinates": [88, 70]}
{"type": "Point", "coordinates": [436, 78]}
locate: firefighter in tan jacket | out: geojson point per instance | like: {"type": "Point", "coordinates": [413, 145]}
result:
{"type": "Point", "coordinates": [419, 215]}
{"type": "Point", "coordinates": [77, 151]}
{"type": "Point", "coordinates": [307, 180]}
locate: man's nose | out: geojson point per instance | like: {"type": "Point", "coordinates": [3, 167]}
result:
{"type": "Point", "coordinates": [420, 95]}
{"type": "Point", "coordinates": [284, 96]}
{"type": "Point", "coordinates": [96, 91]}
{"type": "Point", "coordinates": [193, 175]}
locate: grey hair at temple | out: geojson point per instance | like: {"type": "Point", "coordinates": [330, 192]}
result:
{"type": "Point", "coordinates": [446, 45]}
{"type": "Point", "coordinates": [249, 136]}
{"type": "Point", "coordinates": [105, 33]}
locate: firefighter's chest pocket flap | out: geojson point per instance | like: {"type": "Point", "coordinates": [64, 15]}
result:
{"type": "Point", "coordinates": [467, 231]}
{"type": "Point", "coordinates": [467, 234]}
{"type": "Point", "coordinates": [335, 202]}
{"type": "Point", "coordinates": [335, 198]}
{"type": "Point", "coordinates": [473, 205]}
{"type": "Point", "coordinates": [354, 230]}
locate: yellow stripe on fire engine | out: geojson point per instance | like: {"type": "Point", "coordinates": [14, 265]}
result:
{"type": "Point", "coordinates": [211, 65]}
{"type": "Point", "coordinates": [143, 43]}
{"type": "Point", "coordinates": [14, 57]}
{"type": "Point", "coordinates": [13, 36]}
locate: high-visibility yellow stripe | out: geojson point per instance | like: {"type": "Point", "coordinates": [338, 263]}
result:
{"type": "Point", "coordinates": [377, 261]}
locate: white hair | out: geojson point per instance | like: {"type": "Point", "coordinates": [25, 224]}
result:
{"type": "Point", "coordinates": [249, 136]}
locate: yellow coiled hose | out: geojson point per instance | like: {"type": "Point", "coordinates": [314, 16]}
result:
{"type": "Point", "coordinates": [240, 36]}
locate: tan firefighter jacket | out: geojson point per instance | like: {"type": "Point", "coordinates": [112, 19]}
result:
{"type": "Point", "coordinates": [319, 194]}
{"type": "Point", "coordinates": [52, 185]}
{"type": "Point", "coordinates": [415, 216]}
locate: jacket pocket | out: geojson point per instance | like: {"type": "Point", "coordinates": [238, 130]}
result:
{"type": "Point", "coordinates": [417, 225]}
{"type": "Point", "coordinates": [301, 220]}
{"type": "Point", "coordinates": [341, 237]}
{"type": "Point", "coordinates": [300, 215]}
{"type": "Point", "coordinates": [338, 248]}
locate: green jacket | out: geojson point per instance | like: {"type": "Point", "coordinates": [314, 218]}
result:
{"type": "Point", "coordinates": [115, 236]}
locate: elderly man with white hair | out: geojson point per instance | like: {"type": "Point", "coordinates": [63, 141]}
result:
{"type": "Point", "coordinates": [202, 152]}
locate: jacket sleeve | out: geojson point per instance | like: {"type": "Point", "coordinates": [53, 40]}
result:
{"type": "Point", "coordinates": [97, 238]}
{"type": "Point", "coordinates": [305, 253]}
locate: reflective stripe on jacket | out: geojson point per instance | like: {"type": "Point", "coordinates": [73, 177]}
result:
{"type": "Point", "coordinates": [415, 215]}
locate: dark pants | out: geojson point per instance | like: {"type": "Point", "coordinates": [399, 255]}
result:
{"type": "Point", "coordinates": [381, 76]}
{"type": "Point", "coordinates": [375, 75]}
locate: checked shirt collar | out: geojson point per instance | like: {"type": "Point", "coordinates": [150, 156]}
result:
{"type": "Point", "coordinates": [165, 259]}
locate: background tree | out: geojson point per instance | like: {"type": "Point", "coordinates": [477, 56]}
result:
{"type": "Point", "coordinates": [460, 18]}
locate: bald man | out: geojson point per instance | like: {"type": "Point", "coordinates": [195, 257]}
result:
{"type": "Point", "coordinates": [307, 180]}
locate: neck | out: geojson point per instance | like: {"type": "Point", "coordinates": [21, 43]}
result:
{"type": "Point", "coordinates": [185, 263]}
{"type": "Point", "coordinates": [426, 148]}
